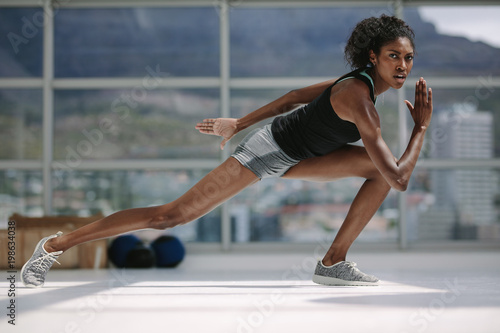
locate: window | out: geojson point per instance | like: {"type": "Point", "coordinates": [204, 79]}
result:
{"type": "Point", "coordinates": [21, 124]}
{"type": "Point", "coordinates": [453, 204]}
{"type": "Point", "coordinates": [128, 124]}
{"type": "Point", "coordinates": [292, 41]}
{"type": "Point", "coordinates": [299, 211]}
{"type": "Point", "coordinates": [85, 193]}
{"type": "Point", "coordinates": [119, 138]}
{"type": "Point", "coordinates": [121, 42]}
{"type": "Point", "coordinates": [452, 51]}
{"type": "Point", "coordinates": [20, 192]}
{"type": "Point", "coordinates": [21, 42]}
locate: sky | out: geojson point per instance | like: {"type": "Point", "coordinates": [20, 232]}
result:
{"type": "Point", "coordinates": [478, 23]}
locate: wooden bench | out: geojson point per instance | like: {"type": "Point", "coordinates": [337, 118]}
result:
{"type": "Point", "coordinates": [30, 230]}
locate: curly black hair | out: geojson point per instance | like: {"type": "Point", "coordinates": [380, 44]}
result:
{"type": "Point", "coordinates": [371, 34]}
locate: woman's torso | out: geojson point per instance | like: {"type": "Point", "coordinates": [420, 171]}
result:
{"type": "Point", "coordinates": [315, 129]}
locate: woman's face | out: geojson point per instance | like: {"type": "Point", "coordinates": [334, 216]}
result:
{"type": "Point", "coordinates": [394, 63]}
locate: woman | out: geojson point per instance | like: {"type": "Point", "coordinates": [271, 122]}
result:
{"type": "Point", "coordinates": [311, 143]}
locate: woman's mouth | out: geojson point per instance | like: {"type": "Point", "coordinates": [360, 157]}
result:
{"type": "Point", "coordinates": [401, 78]}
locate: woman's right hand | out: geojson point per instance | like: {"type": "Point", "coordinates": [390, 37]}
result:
{"type": "Point", "coordinates": [224, 127]}
{"type": "Point", "coordinates": [422, 111]}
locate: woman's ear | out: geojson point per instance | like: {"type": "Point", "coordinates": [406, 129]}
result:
{"type": "Point", "coordinates": [373, 57]}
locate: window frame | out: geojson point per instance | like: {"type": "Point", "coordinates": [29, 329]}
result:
{"type": "Point", "coordinates": [224, 82]}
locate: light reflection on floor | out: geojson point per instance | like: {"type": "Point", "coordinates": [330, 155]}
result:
{"type": "Point", "coordinates": [420, 292]}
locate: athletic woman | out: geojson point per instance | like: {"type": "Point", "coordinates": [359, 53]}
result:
{"type": "Point", "coordinates": [311, 143]}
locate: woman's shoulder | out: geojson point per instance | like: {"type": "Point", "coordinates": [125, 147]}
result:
{"type": "Point", "coordinates": [353, 87]}
{"type": "Point", "coordinates": [351, 96]}
{"type": "Point", "coordinates": [358, 82]}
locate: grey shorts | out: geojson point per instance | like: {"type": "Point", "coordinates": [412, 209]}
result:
{"type": "Point", "coordinates": [260, 153]}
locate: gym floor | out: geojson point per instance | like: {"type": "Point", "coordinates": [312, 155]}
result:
{"type": "Point", "coordinates": [244, 293]}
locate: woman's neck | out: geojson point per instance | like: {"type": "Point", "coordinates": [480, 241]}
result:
{"type": "Point", "coordinates": [379, 85]}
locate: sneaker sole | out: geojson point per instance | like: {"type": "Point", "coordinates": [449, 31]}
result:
{"type": "Point", "coordinates": [24, 266]}
{"type": "Point", "coordinates": [329, 281]}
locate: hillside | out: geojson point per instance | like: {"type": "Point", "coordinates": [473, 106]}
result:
{"type": "Point", "coordinates": [184, 42]}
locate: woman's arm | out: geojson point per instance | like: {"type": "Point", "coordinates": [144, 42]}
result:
{"type": "Point", "coordinates": [228, 127]}
{"type": "Point", "coordinates": [396, 172]}
{"type": "Point", "coordinates": [284, 104]}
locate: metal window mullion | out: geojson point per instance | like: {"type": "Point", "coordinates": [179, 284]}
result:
{"type": "Point", "coordinates": [138, 164]}
{"type": "Point", "coordinates": [457, 163]}
{"type": "Point", "coordinates": [131, 82]}
{"type": "Point", "coordinates": [48, 105]}
{"type": "Point", "coordinates": [403, 143]}
{"type": "Point", "coordinates": [135, 3]}
{"type": "Point", "coordinates": [308, 4]}
{"type": "Point", "coordinates": [13, 83]}
{"type": "Point", "coordinates": [275, 82]}
{"type": "Point", "coordinates": [29, 165]}
{"type": "Point", "coordinates": [457, 82]}
{"type": "Point", "coordinates": [246, 3]}
{"type": "Point", "coordinates": [225, 109]}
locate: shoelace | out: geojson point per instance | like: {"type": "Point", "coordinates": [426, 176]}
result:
{"type": "Point", "coordinates": [352, 266]}
{"type": "Point", "coordinates": [44, 262]}
{"type": "Point", "coordinates": [355, 271]}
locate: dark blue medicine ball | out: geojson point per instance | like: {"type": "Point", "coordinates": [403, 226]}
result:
{"type": "Point", "coordinates": [129, 252]}
{"type": "Point", "coordinates": [169, 251]}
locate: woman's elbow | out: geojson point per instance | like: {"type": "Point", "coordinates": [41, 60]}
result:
{"type": "Point", "coordinates": [297, 97]}
{"type": "Point", "coordinates": [293, 96]}
{"type": "Point", "coordinates": [400, 185]}
{"type": "Point", "coordinates": [396, 182]}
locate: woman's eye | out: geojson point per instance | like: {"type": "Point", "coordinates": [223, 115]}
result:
{"type": "Point", "coordinates": [409, 57]}
{"type": "Point", "coordinates": [393, 56]}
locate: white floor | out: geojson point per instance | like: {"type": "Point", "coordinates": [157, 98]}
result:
{"type": "Point", "coordinates": [421, 292]}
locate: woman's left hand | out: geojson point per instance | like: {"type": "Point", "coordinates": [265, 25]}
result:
{"type": "Point", "coordinates": [224, 127]}
{"type": "Point", "coordinates": [422, 111]}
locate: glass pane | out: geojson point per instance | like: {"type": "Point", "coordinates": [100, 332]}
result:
{"type": "Point", "coordinates": [21, 124]}
{"type": "Point", "coordinates": [293, 41]}
{"type": "Point", "coordinates": [300, 211]}
{"type": "Point", "coordinates": [114, 124]}
{"type": "Point", "coordinates": [21, 42]}
{"type": "Point", "coordinates": [454, 204]}
{"type": "Point", "coordinates": [20, 192]}
{"type": "Point", "coordinates": [246, 101]}
{"type": "Point", "coordinates": [465, 123]}
{"type": "Point", "coordinates": [121, 42]}
{"type": "Point", "coordinates": [455, 41]}
{"type": "Point", "coordinates": [86, 193]}
{"type": "Point", "coordinates": [387, 107]}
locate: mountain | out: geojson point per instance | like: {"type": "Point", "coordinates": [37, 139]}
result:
{"type": "Point", "coordinates": [185, 42]}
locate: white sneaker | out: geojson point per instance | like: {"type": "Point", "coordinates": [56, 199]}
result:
{"type": "Point", "coordinates": [344, 273]}
{"type": "Point", "coordinates": [34, 270]}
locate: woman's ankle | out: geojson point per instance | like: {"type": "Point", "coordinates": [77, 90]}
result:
{"type": "Point", "coordinates": [51, 245]}
{"type": "Point", "coordinates": [335, 254]}
{"type": "Point", "coordinates": [328, 261]}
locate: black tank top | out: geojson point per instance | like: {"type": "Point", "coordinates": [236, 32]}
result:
{"type": "Point", "coordinates": [315, 129]}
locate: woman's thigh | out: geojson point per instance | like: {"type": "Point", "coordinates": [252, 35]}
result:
{"type": "Point", "coordinates": [348, 161]}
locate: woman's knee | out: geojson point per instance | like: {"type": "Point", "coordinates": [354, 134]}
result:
{"type": "Point", "coordinates": [368, 170]}
{"type": "Point", "coordinates": [371, 172]}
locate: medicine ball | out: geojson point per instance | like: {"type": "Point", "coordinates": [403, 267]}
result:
{"type": "Point", "coordinates": [169, 251]}
{"type": "Point", "coordinates": [129, 252]}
